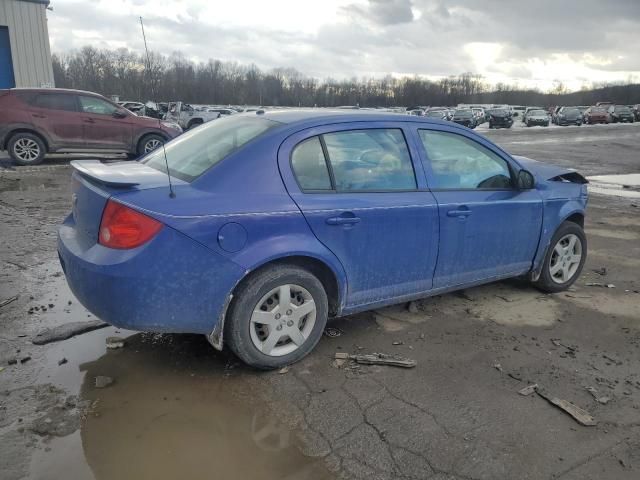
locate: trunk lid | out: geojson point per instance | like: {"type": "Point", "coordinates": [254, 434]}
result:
{"type": "Point", "coordinates": [94, 182]}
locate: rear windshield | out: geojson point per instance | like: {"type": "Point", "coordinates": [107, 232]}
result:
{"type": "Point", "coordinates": [463, 113]}
{"type": "Point", "coordinates": [537, 112]}
{"type": "Point", "coordinates": [197, 150]}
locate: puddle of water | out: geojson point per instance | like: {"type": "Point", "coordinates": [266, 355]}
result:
{"type": "Point", "coordinates": [627, 186]}
{"type": "Point", "coordinates": [177, 409]}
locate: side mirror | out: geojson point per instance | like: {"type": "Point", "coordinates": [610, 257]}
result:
{"type": "Point", "coordinates": [526, 181]}
{"type": "Point", "coordinates": [119, 114]}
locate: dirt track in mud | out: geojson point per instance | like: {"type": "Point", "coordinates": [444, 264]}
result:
{"type": "Point", "coordinates": [178, 408]}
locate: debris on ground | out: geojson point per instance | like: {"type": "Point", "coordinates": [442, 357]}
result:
{"type": "Point", "coordinates": [332, 332]}
{"type": "Point", "coordinates": [598, 284]}
{"type": "Point", "coordinates": [67, 330]}
{"type": "Point", "coordinates": [601, 271]}
{"type": "Point", "coordinates": [283, 370]}
{"type": "Point", "coordinates": [497, 366]}
{"type": "Point", "coordinates": [12, 361]}
{"type": "Point", "coordinates": [1, 369]}
{"type": "Point", "coordinates": [25, 359]}
{"type": "Point", "coordinates": [8, 301]}
{"type": "Point", "coordinates": [572, 295]}
{"type": "Point", "coordinates": [62, 361]}
{"type": "Point", "coordinates": [506, 299]}
{"type": "Point", "coordinates": [101, 381]}
{"type": "Point", "coordinates": [398, 343]}
{"type": "Point", "coordinates": [528, 390]}
{"type": "Point", "coordinates": [377, 359]}
{"type": "Point", "coordinates": [594, 392]}
{"type": "Point", "coordinates": [611, 359]}
{"type": "Point", "coordinates": [581, 416]}
{"type": "Point", "coordinates": [114, 342]}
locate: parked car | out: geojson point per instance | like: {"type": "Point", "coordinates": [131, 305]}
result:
{"type": "Point", "coordinates": [537, 117]}
{"type": "Point", "coordinates": [569, 116]}
{"type": "Point", "coordinates": [527, 110]}
{"type": "Point", "coordinates": [621, 114]}
{"type": "Point", "coordinates": [439, 114]}
{"type": "Point", "coordinates": [465, 117]}
{"type": "Point", "coordinates": [34, 122]}
{"type": "Point", "coordinates": [134, 107]}
{"type": "Point", "coordinates": [636, 112]}
{"type": "Point", "coordinates": [596, 115]}
{"type": "Point", "coordinates": [258, 245]}
{"type": "Point", "coordinates": [418, 112]}
{"type": "Point", "coordinates": [478, 113]}
{"type": "Point", "coordinates": [517, 110]}
{"type": "Point", "coordinates": [500, 118]}
{"type": "Point", "coordinates": [188, 117]}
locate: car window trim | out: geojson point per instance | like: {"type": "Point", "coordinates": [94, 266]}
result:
{"type": "Point", "coordinates": [33, 99]}
{"type": "Point", "coordinates": [429, 172]}
{"type": "Point", "coordinates": [327, 160]}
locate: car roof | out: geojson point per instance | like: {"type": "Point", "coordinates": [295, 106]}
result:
{"type": "Point", "coordinates": [321, 116]}
{"type": "Point", "coordinates": [54, 90]}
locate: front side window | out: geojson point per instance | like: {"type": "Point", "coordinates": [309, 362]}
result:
{"type": "Point", "coordinates": [310, 166]}
{"type": "Point", "coordinates": [197, 150]}
{"type": "Point", "coordinates": [55, 101]}
{"type": "Point", "coordinates": [96, 105]}
{"type": "Point", "coordinates": [374, 160]}
{"type": "Point", "coordinates": [459, 163]}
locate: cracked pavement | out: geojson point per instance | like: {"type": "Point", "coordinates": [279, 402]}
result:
{"type": "Point", "coordinates": [456, 415]}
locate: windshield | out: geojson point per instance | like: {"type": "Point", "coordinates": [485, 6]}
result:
{"type": "Point", "coordinates": [598, 110]}
{"type": "Point", "coordinates": [537, 112]}
{"type": "Point", "coordinates": [197, 150]}
{"type": "Point", "coordinates": [571, 111]}
{"type": "Point", "coordinates": [463, 113]}
{"type": "Point", "coordinates": [622, 109]}
{"type": "Point", "coordinates": [435, 114]}
{"type": "Point", "coordinates": [498, 112]}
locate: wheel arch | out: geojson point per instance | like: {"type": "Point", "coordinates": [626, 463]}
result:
{"type": "Point", "coordinates": [141, 136]}
{"type": "Point", "coordinates": [333, 282]}
{"type": "Point", "coordinates": [31, 131]}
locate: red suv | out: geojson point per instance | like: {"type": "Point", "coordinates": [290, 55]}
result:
{"type": "Point", "coordinates": [34, 122]}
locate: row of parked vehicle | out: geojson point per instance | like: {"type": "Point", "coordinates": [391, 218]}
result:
{"type": "Point", "coordinates": [498, 116]}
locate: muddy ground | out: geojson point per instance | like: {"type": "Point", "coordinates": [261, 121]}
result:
{"type": "Point", "coordinates": [179, 409]}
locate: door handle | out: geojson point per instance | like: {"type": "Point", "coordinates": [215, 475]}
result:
{"type": "Point", "coordinates": [342, 220]}
{"type": "Point", "coordinates": [37, 115]}
{"type": "Point", "coordinates": [459, 213]}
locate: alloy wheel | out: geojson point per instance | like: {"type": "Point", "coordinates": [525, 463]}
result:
{"type": "Point", "coordinates": [151, 145]}
{"type": "Point", "coordinates": [26, 149]}
{"type": "Point", "coordinates": [282, 320]}
{"type": "Point", "coordinates": [565, 258]}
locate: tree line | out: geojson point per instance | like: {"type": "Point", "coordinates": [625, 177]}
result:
{"type": "Point", "coordinates": [128, 75]}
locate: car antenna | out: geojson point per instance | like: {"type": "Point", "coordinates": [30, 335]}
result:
{"type": "Point", "coordinates": [172, 194]}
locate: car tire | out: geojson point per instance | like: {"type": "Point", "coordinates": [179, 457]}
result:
{"type": "Point", "coordinates": [26, 148]}
{"type": "Point", "coordinates": [528, 124]}
{"type": "Point", "coordinates": [149, 143]}
{"type": "Point", "coordinates": [252, 341]}
{"type": "Point", "coordinates": [558, 272]}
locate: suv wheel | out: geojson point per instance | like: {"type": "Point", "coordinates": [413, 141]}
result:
{"type": "Point", "coordinates": [564, 259]}
{"type": "Point", "coordinates": [26, 149]}
{"type": "Point", "coordinates": [149, 143]}
{"type": "Point", "coordinates": [277, 317]}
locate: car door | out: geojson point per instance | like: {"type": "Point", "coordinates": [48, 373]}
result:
{"type": "Point", "coordinates": [105, 125]}
{"type": "Point", "coordinates": [57, 116]}
{"type": "Point", "coordinates": [488, 228]}
{"type": "Point", "coordinates": [363, 198]}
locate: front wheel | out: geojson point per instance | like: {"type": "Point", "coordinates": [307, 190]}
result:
{"type": "Point", "coordinates": [564, 259]}
{"type": "Point", "coordinates": [149, 143]}
{"type": "Point", "coordinates": [277, 317]}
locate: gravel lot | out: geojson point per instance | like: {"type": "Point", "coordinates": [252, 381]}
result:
{"type": "Point", "coordinates": [177, 408]}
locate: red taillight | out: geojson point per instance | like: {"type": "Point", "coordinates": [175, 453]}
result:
{"type": "Point", "coordinates": [123, 227]}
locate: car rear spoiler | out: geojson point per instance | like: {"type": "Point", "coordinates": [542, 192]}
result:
{"type": "Point", "coordinates": [123, 174]}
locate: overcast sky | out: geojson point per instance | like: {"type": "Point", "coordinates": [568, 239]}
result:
{"type": "Point", "coordinates": [534, 43]}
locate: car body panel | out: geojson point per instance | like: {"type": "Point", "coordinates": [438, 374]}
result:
{"type": "Point", "coordinates": [248, 211]}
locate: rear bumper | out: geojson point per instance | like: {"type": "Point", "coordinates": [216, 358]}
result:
{"type": "Point", "coordinates": [170, 284]}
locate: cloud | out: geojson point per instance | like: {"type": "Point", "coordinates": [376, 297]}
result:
{"type": "Point", "coordinates": [532, 43]}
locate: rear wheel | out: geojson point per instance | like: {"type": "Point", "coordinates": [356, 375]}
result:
{"type": "Point", "coordinates": [149, 143]}
{"type": "Point", "coordinates": [564, 259]}
{"type": "Point", "coordinates": [277, 317]}
{"type": "Point", "coordinates": [26, 149]}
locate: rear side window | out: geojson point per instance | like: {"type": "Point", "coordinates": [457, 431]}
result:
{"type": "Point", "coordinates": [310, 166]}
{"type": "Point", "coordinates": [96, 105]}
{"type": "Point", "coordinates": [197, 150]}
{"type": "Point", "coordinates": [55, 101]}
{"type": "Point", "coordinates": [370, 160]}
{"type": "Point", "coordinates": [459, 163]}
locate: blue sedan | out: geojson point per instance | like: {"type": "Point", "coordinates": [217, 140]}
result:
{"type": "Point", "coordinates": [256, 228]}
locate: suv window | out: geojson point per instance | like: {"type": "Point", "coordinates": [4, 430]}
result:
{"type": "Point", "coordinates": [55, 101]}
{"type": "Point", "coordinates": [309, 165]}
{"type": "Point", "coordinates": [373, 159]}
{"type": "Point", "coordinates": [96, 105]}
{"type": "Point", "coordinates": [459, 163]}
